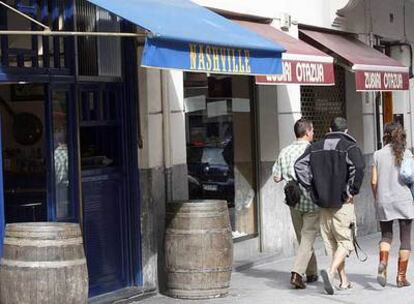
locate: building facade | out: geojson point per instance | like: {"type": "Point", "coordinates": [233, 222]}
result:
{"type": "Point", "coordinates": [67, 105]}
{"type": "Point", "coordinates": [275, 109]}
{"type": "Point", "coordinates": [73, 129]}
{"type": "Point", "coordinates": [111, 142]}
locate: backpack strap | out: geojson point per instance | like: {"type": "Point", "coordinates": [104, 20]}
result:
{"type": "Point", "coordinates": [356, 245]}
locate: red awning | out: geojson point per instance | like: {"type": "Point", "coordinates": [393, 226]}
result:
{"type": "Point", "coordinates": [302, 63]}
{"type": "Point", "coordinates": [374, 71]}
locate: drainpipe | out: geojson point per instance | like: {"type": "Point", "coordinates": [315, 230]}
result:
{"type": "Point", "coordinates": [375, 97]}
{"type": "Point", "coordinates": [166, 134]}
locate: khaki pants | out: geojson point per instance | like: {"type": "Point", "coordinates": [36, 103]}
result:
{"type": "Point", "coordinates": [335, 228]}
{"type": "Point", "coordinates": [306, 225]}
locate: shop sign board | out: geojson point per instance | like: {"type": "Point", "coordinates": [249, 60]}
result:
{"type": "Point", "coordinates": [209, 58]}
{"type": "Point", "coordinates": [381, 81]}
{"type": "Point", "coordinates": [301, 72]}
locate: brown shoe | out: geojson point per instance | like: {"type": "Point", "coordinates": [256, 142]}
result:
{"type": "Point", "coordinates": [311, 278]}
{"type": "Point", "coordinates": [297, 281]}
{"type": "Point", "coordinates": [402, 271]}
{"type": "Point", "coordinates": [382, 268]}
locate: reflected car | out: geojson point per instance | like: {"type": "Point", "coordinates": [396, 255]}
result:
{"type": "Point", "coordinates": [209, 175]}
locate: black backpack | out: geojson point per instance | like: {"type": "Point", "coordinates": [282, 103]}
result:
{"type": "Point", "coordinates": [292, 193]}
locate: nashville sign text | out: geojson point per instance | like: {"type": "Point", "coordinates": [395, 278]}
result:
{"type": "Point", "coordinates": [219, 59]}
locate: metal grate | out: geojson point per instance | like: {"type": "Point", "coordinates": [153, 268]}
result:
{"type": "Point", "coordinates": [109, 48]}
{"type": "Point", "coordinates": [321, 104]}
{"type": "Point", "coordinates": [98, 56]}
{"type": "Point", "coordinates": [87, 46]}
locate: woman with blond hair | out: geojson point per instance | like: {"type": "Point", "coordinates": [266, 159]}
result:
{"type": "Point", "coordinates": [394, 201]}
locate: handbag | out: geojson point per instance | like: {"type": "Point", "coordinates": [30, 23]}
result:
{"type": "Point", "coordinates": [407, 173]}
{"type": "Point", "coordinates": [292, 193]}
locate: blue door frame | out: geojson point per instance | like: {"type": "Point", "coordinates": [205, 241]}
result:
{"type": "Point", "coordinates": [131, 253]}
{"type": "Point", "coordinates": [131, 257]}
{"type": "Point", "coordinates": [103, 188]}
{"type": "Point", "coordinates": [57, 77]}
{"type": "Point", "coordinates": [107, 195]}
{"type": "Point", "coordinates": [132, 127]}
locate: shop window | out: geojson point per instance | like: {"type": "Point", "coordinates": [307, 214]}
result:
{"type": "Point", "coordinates": [322, 104]}
{"type": "Point", "coordinates": [219, 136]}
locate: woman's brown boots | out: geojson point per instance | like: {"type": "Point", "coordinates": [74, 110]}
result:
{"type": "Point", "coordinates": [382, 268]}
{"type": "Point", "coordinates": [403, 258]}
{"type": "Point", "coordinates": [402, 268]}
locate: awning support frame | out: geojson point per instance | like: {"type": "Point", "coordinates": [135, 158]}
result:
{"type": "Point", "coordinates": [48, 32]}
{"type": "Point", "coordinates": [62, 33]}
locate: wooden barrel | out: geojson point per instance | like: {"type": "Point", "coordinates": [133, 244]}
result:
{"type": "Point", "coordinates": [198, 249]}
{"type": "Point", "coordinates": [43, 263]}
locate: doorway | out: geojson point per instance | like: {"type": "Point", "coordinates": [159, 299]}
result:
{"type": "Point", "coordinates": [65, 160]}
{"type": "Point", "coordinates": [24, 151]}
{"type": "Point", "coordinates": [104, 187]}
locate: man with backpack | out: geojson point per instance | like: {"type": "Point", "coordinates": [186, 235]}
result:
{"type": "Point", "coordinates": [332, 170]}
{"type": "Point", "coordinates": [305, 214]}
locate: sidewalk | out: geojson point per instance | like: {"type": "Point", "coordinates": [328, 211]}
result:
{"type": "Point", "coordinates": [269, 284]}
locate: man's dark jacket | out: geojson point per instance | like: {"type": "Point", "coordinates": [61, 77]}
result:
{"type": "Point", "coordinates": [332, 169]}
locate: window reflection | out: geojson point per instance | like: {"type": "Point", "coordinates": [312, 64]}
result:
{"type": "Point", "coordinates": [219, 146]}
{"type": "Point", "coordinates": [61, 155]}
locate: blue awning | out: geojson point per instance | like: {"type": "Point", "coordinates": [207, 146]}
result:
{"type": "Point", "coordinates": [184, 35]}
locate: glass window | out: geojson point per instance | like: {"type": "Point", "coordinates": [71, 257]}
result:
{"type": "Point", "coordinates": [61, 155]}
{"type": "Point", "coordinates": [99, 130]}
{"type": "Point", "coordinates": [220, 157]}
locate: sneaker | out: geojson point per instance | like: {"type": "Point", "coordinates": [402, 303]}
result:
{"type": "Point", "coordinates": [327, 282]}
